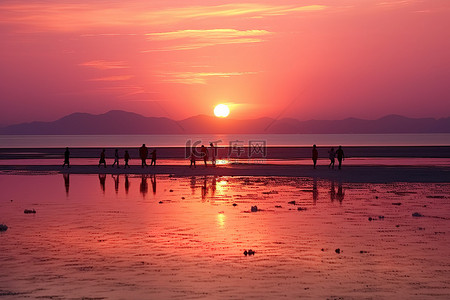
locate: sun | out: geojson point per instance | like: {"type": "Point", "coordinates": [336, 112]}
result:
{"type": "Point", "coordinates": [221, 111]}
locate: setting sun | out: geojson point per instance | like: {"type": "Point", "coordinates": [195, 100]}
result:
{"type": "Point", "coordinates": [221, 111]}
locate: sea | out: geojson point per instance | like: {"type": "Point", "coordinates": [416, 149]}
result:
{"type": "Point", "coordinates": [223, 140]}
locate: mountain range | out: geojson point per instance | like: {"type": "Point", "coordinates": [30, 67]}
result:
{"type": "Point", "coordinates": [122, 122]}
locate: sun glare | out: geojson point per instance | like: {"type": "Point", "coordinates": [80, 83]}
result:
{"type": "Point", "coordinates": [221, 111]}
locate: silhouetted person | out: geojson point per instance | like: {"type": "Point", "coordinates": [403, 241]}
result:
{"type": "Point", "coordinates": [331, 155]}
{"type": "Point", "coordinates": [340, 193]}
{"type": "Point", "coordinates": [204, 152]}
{"type": "Point", "coordinates": [102, 178]}
{"type": "Point", "coordinates": [332, 192]}
{"type": "Point", "coordinates": [143, 153]}
{"type": "Point", "coordinates": [116, 182]}
{"type": "Point", "coordinates": [340, 156]}
{"type": "Point", "coordinates": [315, 155]}
{"type": "Point", "coordinates": [66, 158]}
{"type": "Point", "coordinates": [102, 159]}
{"type": "Point", "coordinates": [127, 184]}
{"type": "Point", "coordinates": [126, 158]}
{"type": "Point", "coordinates": [144, 185]}
{"type": "Point", "coordinates": [66, 183]}
{"type": "Point", "coordinates": [153, 162]}
{"type": "Point", "coordinates": [192, 159]}
{"type": "Point", "coordinates": [116, 158]}
{"type": "Point", "coordinates": [153, 179]}
{"type": "Point", "coordinates": [213, 154]}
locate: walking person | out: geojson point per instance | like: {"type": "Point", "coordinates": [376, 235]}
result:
{"type": "Point", "coordinates": [102, 159]}
{"type": "Point", "coordinates": [126, 158]}
{"type": "Point", "coordinates": [153, 162]}
{"type": "Point", "coordinates": [315, 155]}
{"type": "Point", "coordinates": [116, 158]}
{"type": "Point", "coordinates": [213, 154]}
{"type": "Point", "coordinates": [192, 158]}
{"type": "Point", "coordinates": [204, 152]}
{"type": "Point", "coordinates": [331, 155]}
{"type": "Point", "coordinates": [66, 158]}
{"type": "Point", "coordinates": [143, 153]}
{"type": "Point", "coordinates": [340, 156]}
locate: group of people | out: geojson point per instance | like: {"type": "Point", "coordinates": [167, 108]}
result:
{"type": "Point", "coordinates": [332, 155]}
{"type": "Point", "coordinates": [143, 154]}
{"type": "Point", "coordinates": [204, 155]}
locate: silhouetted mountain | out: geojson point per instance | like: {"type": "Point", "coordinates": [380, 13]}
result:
{"type": "Point", "coordinates": [121, 122]}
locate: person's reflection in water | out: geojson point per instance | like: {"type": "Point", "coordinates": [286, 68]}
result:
{"type": "Point", "coordinates": [127, 184]}
{"type": "Point", "coordinates": [144, 185]}
{"type": "Point", "coordinates": [193, 184]}
{"type": "Point", "coordinates": [102, 178]}
{"type": "Point", "coordinates": [116, 182]}
{"type": "Point", "coordinates": [315, 192]}
{"type": "Point", "coordinates": [332, 192]}
{"type": "Point", "coordinates": [153, 179]}
{"type": "Point", "coordinates": [340, 193]}
{"type": "Point", "coordinates": [213, 186]}
{"type": "Point", "coordinates": [66, 183]}
{"type": "Point", "coordinates": [204, 188]}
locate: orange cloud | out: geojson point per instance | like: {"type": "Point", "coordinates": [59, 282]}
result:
{"type": "Point", "coordinates": [105, 65]}
{"type": "Point", "coordinates": [199, 77]}
{"type": "Point", "coordinates": [194, 39]}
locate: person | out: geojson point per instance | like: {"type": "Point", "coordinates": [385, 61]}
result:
{"type": "Point", "coordinates": [126, 158]}
{"type": "Point", "coordinates": [204, 152]}
{"type": "Point", "coordinates": [153, 162]}
{"type": "Point", "coordinates": [331, 155]}
{"type": "Point", "coordinates": [143, 153]}
{"type": "Point", "coordinates": [213, 154]}
{"type": "Point", "coordinates": [102, 159]}
{"type": "Point", "coordinates": [66, 158]}
{"type": "Point", "coordinates": [116, 158]}
{"type": "Point", "coordinates": [340, 156]}
{"type": "Point", "coordinates": [315, 155]}
{"type": "Point", "coordinates": [192, 158]}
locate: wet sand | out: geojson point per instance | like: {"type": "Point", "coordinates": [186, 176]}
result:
{"type": "Point", "coordinates": [120, 236]}
{"type": "Point", "coordinates": [354, 173]}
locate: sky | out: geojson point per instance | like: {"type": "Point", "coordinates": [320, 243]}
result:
{"type": "Point", "coordinates": [305, 59]}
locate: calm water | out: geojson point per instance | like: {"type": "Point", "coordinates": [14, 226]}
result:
{"type": "Point", "coordinates": [272, 140]}
{"type": "Point", "coordinates": [144, 237]}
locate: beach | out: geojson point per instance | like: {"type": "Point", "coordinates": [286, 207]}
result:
{"type": "Point", "coordinates": [377, 228]}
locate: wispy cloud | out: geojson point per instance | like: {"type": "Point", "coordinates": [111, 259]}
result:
{"type": "Point", "coordinates": [56, 16]}
{"type": "Point", "coordinates": [199, 77]}
{"type": "Point", "coordinates": [194, 39]}
{"type": "Point", "coordinates": [113, 78]}
{"type": "Point", "coordinates": [105, 65]}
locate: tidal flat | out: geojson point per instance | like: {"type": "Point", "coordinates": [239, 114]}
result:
{"type": "Point", "coordinates": [125, 236]}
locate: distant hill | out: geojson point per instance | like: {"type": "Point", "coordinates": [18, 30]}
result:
{"type": "Point", "coordinates": [121, 122]}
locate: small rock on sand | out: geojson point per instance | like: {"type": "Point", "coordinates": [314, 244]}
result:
{"type": "Point", "coordinates": [29, 211]}
{"type": "Point", "coordinates": [3, 227]}
{"type": "Point", "coordinates": [338, 250]}
{"type": "Point", "coordinates": [416, 214]}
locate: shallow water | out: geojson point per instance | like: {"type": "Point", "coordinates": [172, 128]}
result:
{"type": "Point", "coordinates": [110, 237]}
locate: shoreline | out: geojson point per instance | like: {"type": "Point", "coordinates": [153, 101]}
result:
{"type": "Point", "coordinates": [356, 174]}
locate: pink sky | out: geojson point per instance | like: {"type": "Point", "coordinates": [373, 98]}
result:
{"type": "Point", "coordinates": [310, 59]}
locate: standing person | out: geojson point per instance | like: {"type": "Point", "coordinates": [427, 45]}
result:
{"type": "Point", "coordinates": [102, 159]}
{"type": "Point", "coordinates": [143, 153]}
{"type": "Point", "coordinates": [153, 162]}
{"type": "Point", "coordinates": [66, 158]}
{"type": "Point", "coordinates": [213, 154]}
{"type": "Point", "coordinates": [331, 155]}
{"type": "Point", "coordinates": [315, 155]}
{"type": "Point", "coordinates": [126, 158]}
{"type": "Point", "coordinates": [204, 152]}
{"type": "Point", "coordinates": [340, 156]}
{"type": "Point", "coordinates": [192, 158]}
{"type": "Point", "coordinates": [116, 158]}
